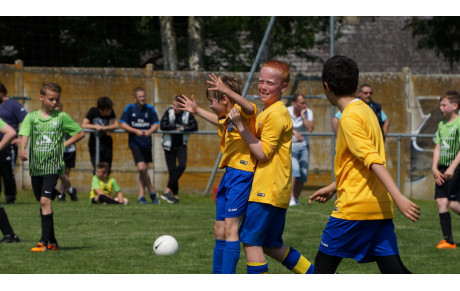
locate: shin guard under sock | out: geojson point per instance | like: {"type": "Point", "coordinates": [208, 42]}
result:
{"type": "Point", "coordinates": [218, 256]}
{"type": "Point", "coordinates": [446, 226]}
{"type": "Point", "coordinates": [230, 257]}
{"type": "Point", "coordinates": [294, 261]}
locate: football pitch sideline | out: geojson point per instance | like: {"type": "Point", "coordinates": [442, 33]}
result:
{"type": "Point", "coordinates": [117, 239]}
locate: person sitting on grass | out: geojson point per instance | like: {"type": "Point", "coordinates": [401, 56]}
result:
{"type": "Point", "coordinates": [102, 186]}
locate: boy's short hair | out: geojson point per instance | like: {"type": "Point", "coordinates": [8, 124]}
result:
{"type": "Point", "coordinates": [3, 89]}
{"type": "Point", "coordinates": [104, 102]}
{"type": "Point", "coordinates": [453, 97]}
{"type": "Point", "coordinates": [138, 89]}
{"type": "Point", "coordinates": [53, 87]}
{"type": "Point", "coordinates": [341, 74]}
{"type": "Point", "coordinates": [280, 66]}
{"type": "Point", "coordinates": [104, 166]}
{"type": "Point", "coordinates": [232, 82]}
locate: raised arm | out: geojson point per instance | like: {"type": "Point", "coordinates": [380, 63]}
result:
{"type": "Point", "coordinates": [237, 98]}
{"type": "Point", "coordinates": [189, 104]}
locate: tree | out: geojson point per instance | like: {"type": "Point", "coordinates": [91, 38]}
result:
{"type": "Point", "coordinates": [168, 43]}
{"type": "Point", "coordinates": [440, 34]}
{"type": "Point", "coordinates": [195, 43]}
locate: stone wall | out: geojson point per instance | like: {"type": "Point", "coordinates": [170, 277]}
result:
{"type": "Point", "coordinates": [409, 100]}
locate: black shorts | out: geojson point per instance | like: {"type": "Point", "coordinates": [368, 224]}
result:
{"type": "Point", "coordinates": [451, 188]}
{"type": "Point", "coordinates": [45, 186]}
{"type": "Point", "coordinates": [69, 159]}
{"type": "Point", "coordinates": [142, 155]}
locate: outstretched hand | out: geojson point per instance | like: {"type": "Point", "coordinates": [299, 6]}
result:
{"type": "Point", "coordinates": [217, 83]}
{"type": "Point", "coordinates": [184, 103]}
{"type": "Point", "coordinates": [323, 194]}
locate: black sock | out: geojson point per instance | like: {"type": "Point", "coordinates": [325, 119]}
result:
{"type": "Point", "coordinates": [391, 265]}
{"type": "Point", "coordinates": [446, 227]}
{"type": "Point", "coordinates": [5, 226]}
{"type": "Point", "coordinates": [47, 228]}
{"type": "Point", "coordinates": [107, 199]}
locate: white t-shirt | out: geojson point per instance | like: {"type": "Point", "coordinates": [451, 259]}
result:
{"type": "Point", "coordinates": [297, 123]}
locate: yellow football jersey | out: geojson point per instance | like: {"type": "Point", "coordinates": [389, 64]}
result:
{"type": "Point", "coordinates": [272, 179]}
{"type": "Point", "coordinates": [235, 152]}
{"type": "Point", "coordinates": [107, 187]}
{"type": "Point", "coordinates": [360, 194]}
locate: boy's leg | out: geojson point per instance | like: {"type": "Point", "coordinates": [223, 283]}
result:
{"type": "Point", "coordinates": [326, 264]}
{"type": "Point", "coordinates": [232, 245]}
{"type": "Point", "coordinates": [445, 220]}
{"type": "Point", "coordinates": [218, 254]}
{"type": "Point", "coordinates": [6, 229]}
{"type": "Point", "coordinates": [8, 159]}
{"type": "Point", "coordinates": [106, 199]}
{"type": "Point", "coordinates": [256, 262]}
{"type": "Point", "coordinates": [291, 259]}
{"type": "Point", "coordinates": [391, 265]}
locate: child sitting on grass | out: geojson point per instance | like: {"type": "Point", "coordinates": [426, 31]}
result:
{"type": "Point", "coordinates": [102, 186]}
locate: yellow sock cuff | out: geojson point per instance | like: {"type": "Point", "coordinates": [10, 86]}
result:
{"type": "Point", "coordinates": [302, 266]}
{"type": "Point", "coordinates": [255, 264]}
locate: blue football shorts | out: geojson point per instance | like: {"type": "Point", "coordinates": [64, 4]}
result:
{"type": "Point", "coordinates": [233, 193]}
{"type": "Point", "coordinates": [362, 240]}
{"type": "Point", "coordinates": [263, 225]}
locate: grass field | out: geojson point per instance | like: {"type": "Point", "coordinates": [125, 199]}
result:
{"type": "Point", "coordinates": [108, 239]}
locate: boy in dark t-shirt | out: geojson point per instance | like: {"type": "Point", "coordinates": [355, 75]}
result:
{"type": "Point", "coordinates": [103, 119]}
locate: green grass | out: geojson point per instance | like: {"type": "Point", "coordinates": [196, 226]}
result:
{"type": "Point", "coordinates": [108, 239]}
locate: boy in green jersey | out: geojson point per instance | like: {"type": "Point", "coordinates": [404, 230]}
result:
{"type": "Point", "coordinates": [446, 172]}
{"type": "Point", "coordinates": [46, 128]}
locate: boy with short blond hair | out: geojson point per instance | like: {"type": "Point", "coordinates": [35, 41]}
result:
{"type": "Point", "coordinates": [445, 167]}
{"type": "Point", "coordinates": [361, 224]}
{"type": "Point", "coordinates": [46, 128]}
{"type": "Point", "coordinates": [263, 224]}
{"type": "Point", "coordinates": [232, 195]}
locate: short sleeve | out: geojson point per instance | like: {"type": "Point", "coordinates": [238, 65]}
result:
{"type": "Point", "coordinates": [273, 129]}
{"type": "Point", "coordinates": [95, 182]}
{"type": "Point", "coordinates": [25, 126]}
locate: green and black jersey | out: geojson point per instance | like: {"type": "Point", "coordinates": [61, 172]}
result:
{"type": "Point", "coordinates": [46, 139]}
{"type": "Point", "coordinates": [448, 137]}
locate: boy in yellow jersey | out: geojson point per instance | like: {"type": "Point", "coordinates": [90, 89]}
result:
{"type": "Point", "coordinates": [232, 196]}
{"type": "Point", "coordinates": [103, 185]}
{"type": "Point", "coordinates": [361, 224]}
{"type": "Point", "coordinates": [263, 224]}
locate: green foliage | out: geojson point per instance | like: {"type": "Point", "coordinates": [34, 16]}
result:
{"type": "Point", "coordinates": [231, 42]}
{"type": "Point", "coordinates": [440, 34]}
{"type": "Point", "coordinates": [112, 239]}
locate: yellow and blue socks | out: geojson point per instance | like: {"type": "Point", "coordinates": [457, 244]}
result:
{"type": "Point", "coordinates": [218, 256]}
{"type": "Point", "coordinates": [294, 261]}
{"type": "Point", "coordinates": [257, 268]}
{"type": "Point", "coordinates": [230, 257]}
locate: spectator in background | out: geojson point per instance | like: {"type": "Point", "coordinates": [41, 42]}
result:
{"type": "Point", "coordinates": [302, 122]}
{"type": "Point", "coordinates": [140, 120]}
{"type": "Point", "coordinates": [365, 94]}
{"type": "Point", "coordinates": [103, 119]}
{"type": "Point", "coordinates": [13, 113]}
{"type": "Point", "coordinates": [175, 146]}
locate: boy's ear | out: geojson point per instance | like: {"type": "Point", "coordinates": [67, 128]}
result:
{"type": "Point", "coordinates": [284, 87]}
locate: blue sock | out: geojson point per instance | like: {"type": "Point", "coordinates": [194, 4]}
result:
{"type": "Point", "coordinates": [294, 261]}
{"type": "Point", "coordinates": [231, 257]}
{"type": "Point", "coordinates": [257, 268]}
{"type": "Point", "coordinates": [218, 256]}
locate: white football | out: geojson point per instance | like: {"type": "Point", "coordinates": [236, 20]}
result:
{"type": "Point", "coordinates": [165, 245]}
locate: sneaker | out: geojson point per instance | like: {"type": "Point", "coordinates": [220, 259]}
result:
{"type": "Point", "coordinates": [169, 197]}
{"type": "Point", "coordinates": [39, 248]}
{"type": "Point", "coordinates": [293, 202]}
{"type": "Point", "coordinates": [10, 238]}
{"type": "Point", "coordinates": [61, 197]}
{"type": "Point", "coordinates": [73, 193]}
{"type": "Point", "coordinates": [142, 200]}
{"type": "Point", "coordinates": [52, 247]}
{"type": "Point", "coordinates": [154, 197]}
{"type": "Point", "coordinates": [445, 245]}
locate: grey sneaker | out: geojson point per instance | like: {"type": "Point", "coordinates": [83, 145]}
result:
{"type": "Point", "coordinates": [10, 239]}
{"type": "Point", "coordinates": [73, 193]}
{"type": "Point", "coordinates": [154, 197]}
{"type": "Point", "coordinates": [169, 197]}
